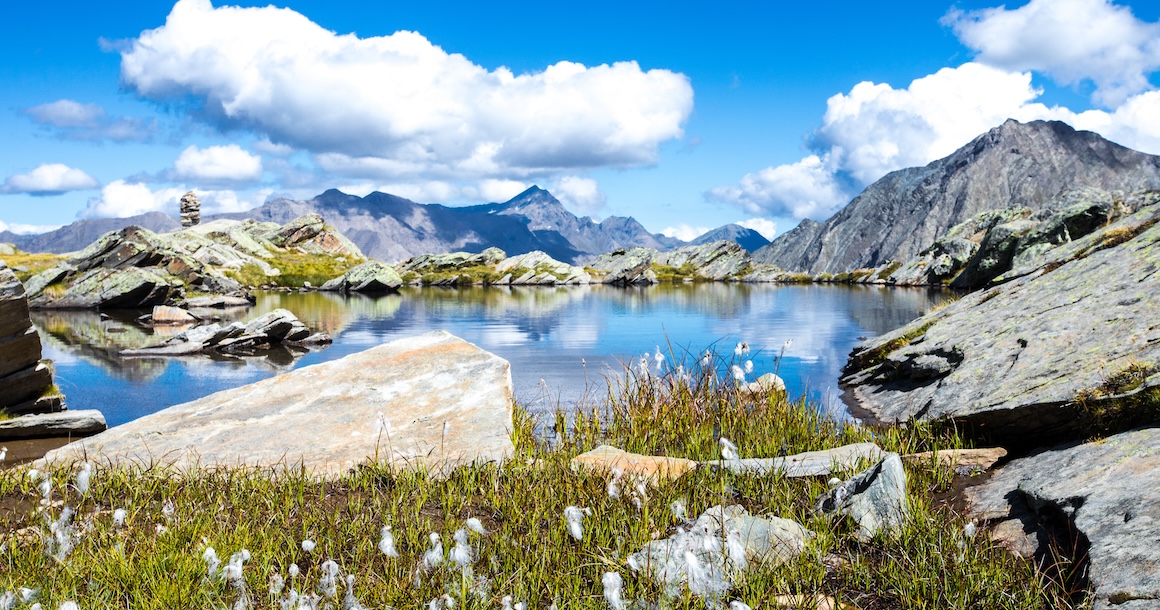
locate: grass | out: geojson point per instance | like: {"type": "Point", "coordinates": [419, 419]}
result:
{"type": "Point", "coordinates": [1118, 402]}
{"type": "Point", "coordinates": [669, 273]}
{"type": "Point", "coordinates": [154, 560]}
{"type": "Point", "coordinates": [889, 270]}
{"type": "Point", "coordinates": [296, 269]}
{"type": "Point", "coordinates": [31, 264]}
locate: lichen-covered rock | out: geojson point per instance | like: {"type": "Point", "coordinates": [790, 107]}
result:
{"type": "Point", "coordinates": [994, 255]}
{"type": "Point", "coordinates": [875, 498]}
{"type": "Point", "coordinates": [540, 269]}
{"type": "Point", "coordinates": [718, 260]}
{"type": "Point", "coordinates": [299, 230]}
{"type": "Point", "coordinates": [433, 263]}
{"type": "Point", "coordinates": [132, 287]}
{"type": "Point", "coordinates": [371, 276]}
{"type": "Point", "coordinates": [1104, 499]}
{"type": "Point", "coordinates": [626, 266]}
{"type": "Point", "coordinates": [1009, 362]}
{"type": "Point", "coordinates": [431, 401]}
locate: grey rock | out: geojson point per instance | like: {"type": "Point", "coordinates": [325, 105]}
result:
{"type": "Point", "coordinates": [430, 401]}
{"type": "Point", "coordinates": [165, 314]}
{"type": "Point", "coordinates": [1105, 490]}
{"type": "Point", "coordinates": [875, 499]}
{"type": "Point", "coordinates": [717, 260]}
{"type": "Point", "coordinates": [994, 255]}
{"type": "Point", "coordinates": [1009, 362]}
{"type": "Point", "coordinates": [112, 288]}
{"type": "Point", "coordinates": [554, 271]}
{"type": "Point", "coordinates": [25, 384]}
{"type": "Point", "coordinates": [762, 386]}
{"type": "Point", "coordinates": [275, 324]}
{"type": "Point", "coordinates": [19, 351]}
{"type": "Point", "coordinates": [808, 464]}
{"type": "Point", "coordinates": [44, 425]}
{"type": "Point", "coordinates": [371, 276]}
{"type": "Point", "coordinates": [81, 233]}
{"type": "Point", "coordinates": [626, 266]}
{"type": "Point", "coordinates": [216, 302]}
{"type": "Point", "coordinates": [766, 540]}
{"type": "Point", "coordinates": [299, 230]}
{"type": "Point", "coordinates": [1010, 166]}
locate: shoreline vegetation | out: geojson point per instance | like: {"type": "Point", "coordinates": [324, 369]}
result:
{"type": "Point", "coordinates": [148, 537]}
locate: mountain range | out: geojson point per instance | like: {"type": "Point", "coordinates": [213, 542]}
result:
{"type": "Point", "coordinates": [1013, 165]}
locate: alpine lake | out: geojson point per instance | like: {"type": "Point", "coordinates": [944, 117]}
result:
{"type": "Point", "coordinates": [565, 344]}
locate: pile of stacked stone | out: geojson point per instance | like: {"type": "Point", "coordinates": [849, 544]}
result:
{"type": "Point", "coordinates": [26, 387]}
{"type": "Point", "coordinates": [190, 210]}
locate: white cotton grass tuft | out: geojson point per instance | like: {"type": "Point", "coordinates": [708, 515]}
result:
{"type": "Point", "coordinates": [168, 509]}
{"type": "Point", "coordinates": [741, 349]}
{"type": "Point", "coordinates": [3, 453]}
{"type": "Point", "coordinates": [59, 542]}
{"type": "Point", "coordinates": [45, 488]}
{"type": "Point", "coordinates": [476, 526]}
{"type": "Point", "coordinates": [293, 571]}
{"type": "Point", "coordinates": [210, 557]}
{"type": "Point", "coordinates": [33, 474]}
{"type": "Point", "coordinates": [506, 602]}
{"type": "Point", "coordinates": [349, 602]}
{"type": "Point", "coordinates": [308, 545]}
{"type": "Point", "coordinates": [387, 542]}
{"type": "Point", "coordinates": [328, 580]}
{"type": "Point", "coordinates": [27, 595]}
{"type": "Point", "coordinates": [232, 571]}
{"type": "Point", "coordinates": [68, 605]}
{"type": "Point", "coordinates": [83, 478]}
{"type": "Point", "coordinates": [434, 556]}
{"type": "Point", "coordinates": [678, 509]}
{"type": "Point", "coordinates": [739, 605]}
{"type": "Point", "coordinates": [728, 449]}
{"type": "Point", "coordinates": [748, 367]}
{"type": "Point", "coordinates": [738, 373]}
{"type": "Point", "coordinates": [970, 529]}
{"type": "Point", "coordinates": [735, 551]}
{"type": "Point", "coordinates": [707, 359]}
{"type": "Point", "coordinates": [119, 517]}
{"type": "Point", "coordinates": [659, 359]}
{"type": "Point", "coordinates": [614, 483]}
{"type": "Point", "coordinates": [574, 520]}
{"type": "Point", "coordinates": [277, 584]}
{"type": "Point", "coordinates": [639, 493]}
{"type": "Point", "coordinates": [612, 585]}
{"type": "Point", "coordinates": [461, 554]}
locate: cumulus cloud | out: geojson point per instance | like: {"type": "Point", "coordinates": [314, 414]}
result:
{"type": "Point", "coordinates": [74, 120]}
{"type": "Point", "coordinates": [27, 229]}
{"type": "Point", "coordinates": [270, 148]}
{"type": "Point", "coordinates": [1070, 40]}
{"type": "Point", "coordinates": [218, 164]}
{"type": "Point", "coordinates": [582, 195]}
{"type": "Point", "coordinates": [49, 179]}
{"type": "Point", "coordinates": [875, 128]}
{"type": "Point", "coordinates": [684, 232]}
{"type": "Point", "coordinates": [806, 189]}
{"type": "Point", "coordinates": [399, 106]}
{"type": "Point", "coordinates": [767, 228]}
{"type": "Point", "coordinates": [120, 199]}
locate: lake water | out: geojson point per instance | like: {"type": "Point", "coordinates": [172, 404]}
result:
{"type": "Point", "coordinates": [561, 341]}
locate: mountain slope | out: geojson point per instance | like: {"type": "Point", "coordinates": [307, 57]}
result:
{"type": "Point", "coordinates": [1015, 164]}
{"type": "Point", "coordinates": [81, 233]}
{"type": "Point", "coordinates": [746, 238]}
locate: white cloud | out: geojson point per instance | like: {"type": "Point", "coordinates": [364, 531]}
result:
{"type": "Point", "coordinates": [120, 199]}
{"type": "Point", "coordinates": [270, 148]}
{"type": "Point", "coordinates": [875, 129]}
{"type": "Point", "coordinates": [582, 195]}
{"type": "Point", "coordinates": [217, 164]}
{"type": "Point", "coordinates": [26, 229]}
{"type": "Point", "coordinates": [397, 105]}
{"type": "Point", "coordinates": [1069, 40]}
{"type": "Point", "coordinates": [684, 232]}
{"type": "Point", "coordinates": [74, 120]}
{"type": "Point", "coordinates": [49, 179]}
{"type": "Point", "coordinates": [767, 228]}
{"type": "Point", "coordinates": [494, 190]}
{"type": "Point", "coordinates": [806, 189]}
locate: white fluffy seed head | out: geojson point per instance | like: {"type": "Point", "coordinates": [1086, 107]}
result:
{"type": "Point", "coordinates": [119, 517]}
{"type": "Point", "coordinates": [308, 546]}
{"type": "Point", "coordinates": [476, 526]}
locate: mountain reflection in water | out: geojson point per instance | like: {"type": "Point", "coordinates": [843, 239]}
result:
{"type": "Point", "coordinates": [561, 341]}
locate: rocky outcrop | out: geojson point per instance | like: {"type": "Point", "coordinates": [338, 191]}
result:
{"type": "Point", "coordinates": [1066, 345]}
{"type": "Point", "coordinates": [430, 401]}
{"type": "Point", "coordinates": [26, 386]}
{"type": "Point", "coordinates": [1014, 165]}
{"type": "Point", "coordinates": [277, 328]}
{"type": "Point", "coordinates": [718, 261]}
{"type": "Point", "coordinates": [491, 267]}
{"type": "Point", "coordinates": [370, 277]}
{"type": "Point", "coordinates": [1096, 502]}
{"type": "Point", "coordinates": [537, 268]}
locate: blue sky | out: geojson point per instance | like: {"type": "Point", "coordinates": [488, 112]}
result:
{"type": "Point", "coordinates": [683, 116]}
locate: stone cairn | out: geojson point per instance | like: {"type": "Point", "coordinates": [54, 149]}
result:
{"type": "Point", "coordinates": [190, 210]}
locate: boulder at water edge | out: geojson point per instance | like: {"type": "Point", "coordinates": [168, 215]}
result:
{"type": "Point", "coordinates": [432, 400]}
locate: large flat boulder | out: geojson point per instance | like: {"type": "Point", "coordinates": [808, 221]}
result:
{"type": "Point", "coordinates": [808, 464]}
{"type": "Point", "coordinates": [53, 425]}
{"type": "Point", "coordinates": [433, 400]}
{"type": "Point", "coordinates": [1015, 362]}
{"type": "Point", "coordinates": [371, 276]}
{"type": "Point", "coordinates": [1103, 493]}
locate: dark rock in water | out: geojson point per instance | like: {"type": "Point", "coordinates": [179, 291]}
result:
{"type": "Point", "coordinates": [1065, 346]}
{"type": "Point", "coordinates": [217, 302]}
{"type": "Point", "coordinates": [276, 328]}
{"type": "Point", "coordinates": [371, 276]}
{"type": "Point", "coordinates": [85, 422]}
{"type": "Point", "coordinates": [1098, 503]}
{"type": "Point", "coordinates": [1011, 166]}
{"type": "Point", "coordinates": [114, 288]}
{"type": "Point", "coordinates": [625, 267]}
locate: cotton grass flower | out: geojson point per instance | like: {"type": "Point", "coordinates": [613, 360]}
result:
{"type": "Point", "coordinates": [293, 571]}
{"type": "Point", "coordinates": [59, 542]}
{"type": "Point", "coordinates": [349, 602]}
{"type": "Point", "coordinates": [308, 545]}
{"type": "Point", "coordinates": [739, 605]}
{"type": "Point", "coordinates": [434, 556]}
{"type": "Point", "coordinates": [277, 584]}
{"type": "Point", "coordinates": [387, 542]}
{"type": "Point", "coordinates": [68, 605]}
{"type": "Point", "coordinates": [210, 557]}
{"type": "Point", "coordinates": [574, 519]}
{"type": "Point", "coordinates": [738, 374]}
{"type": "Point", "coordinates": [461, 554]}
{"type": "Point", "coordinates": [328, 581]}
{"type": "Point", "coordinates": [748, 367]}
{"type": "Point", "coordinates": [119, 517]}
{"type": "Point", "coordinates": [3, 453]}
{"type": "Point", "coordinates": [659, 359]}
{"type": "Point", "coordinates": [168, 509]}
{"type": "Point", "coordinates": [614, 483]}
{"type": "Point", "coordinates": [83, 477]}
{"type": "Point", "coordinates": [678, 509]}
{"type": "Point", "coordinates": [741, 349]}
{"type": "Point", "coordinates": [612, 584]}
{"type": "Point", "coordinates": [476, 526]}
{"type": "Point", "coordinates": [728, 449]}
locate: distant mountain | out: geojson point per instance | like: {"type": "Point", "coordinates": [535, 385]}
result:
{"type": "Point", "coordinates": [746, 238]}
{"type": "Point", "coordinates": [81, 233]}
{"type": "Point", "coordinates": [1013, 165]}
{"type": "Point", "coordinates": [393, 229]}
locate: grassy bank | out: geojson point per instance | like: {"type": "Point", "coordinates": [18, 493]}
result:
{"type": "Point", "coordinates": [152, 555]}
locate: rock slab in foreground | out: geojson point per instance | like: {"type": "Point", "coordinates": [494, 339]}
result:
{"type": "Point", "coordinates": [1108, 490]}
{"type": "Point", "coordinates": [808, 464]}
{"type": "Point", "coordinates": [431, 400]}
{"type": "Point", "coordinates": [61, 423]}
{"type": "Point", "coordinates": [606, 458]}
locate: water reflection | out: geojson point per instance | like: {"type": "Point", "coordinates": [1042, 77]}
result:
{"type": "Point", "coordinates": [563, 339]}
